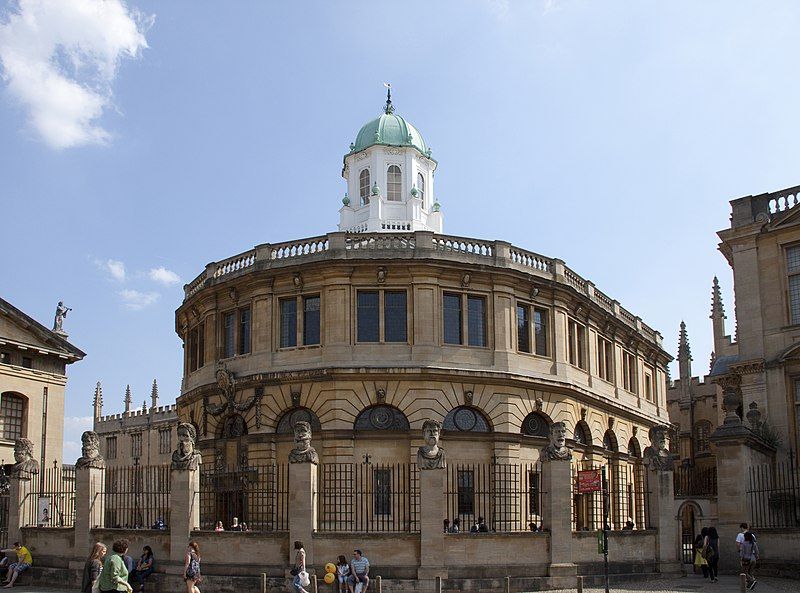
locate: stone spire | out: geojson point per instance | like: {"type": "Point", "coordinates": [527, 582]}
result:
{"type": "Point", "coordinates": [154, 395]}
{"type": "Point", "coordinates": [128, 399]}
{"type": "Point", "coordinates": [717, 315]}
{"type": "Point", "coordinates": [144, 406]}
{"type": "Point", "coordinates": [684, 355]}
{"type": "Point", "coordinates": [98, 401]}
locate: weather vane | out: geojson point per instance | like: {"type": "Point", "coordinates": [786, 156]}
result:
{"type": "Point", "coordinates": [389, 108]}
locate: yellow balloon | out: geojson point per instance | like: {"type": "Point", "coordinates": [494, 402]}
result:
{"type": "Point", "coordinates": [329, 578]}
{"type": "Point", "coordinates": [330, 568]}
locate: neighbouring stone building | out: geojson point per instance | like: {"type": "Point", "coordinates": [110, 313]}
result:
{"type": "Point", "coordinates": [758, 371]}
{"type": "Point", "coordinates": [144, 435]}
{"type": "Point", "coordinates": [33, 375]}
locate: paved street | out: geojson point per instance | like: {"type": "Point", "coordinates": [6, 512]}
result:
{"type": "Point", "coordinates": [726, 584]}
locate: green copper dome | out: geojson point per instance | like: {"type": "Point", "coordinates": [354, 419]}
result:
{"type": "Point", "coordinates": [389, 130]}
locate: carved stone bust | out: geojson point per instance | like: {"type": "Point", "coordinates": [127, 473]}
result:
{"type": "Point", "coordinates": [23, 454]}
{"type": "Point", "coordinates": [185, 456]}
{"type": "Point", "coordinates": [557, 450]}
{"type": "Point", "coordinates": [90, 451]}
{"type": "Point", "coordinates": [431, 455]}
{"type": "Point", "coordinates": [656, 456]}
{"type": "Point", "coordinates": [303, 452]}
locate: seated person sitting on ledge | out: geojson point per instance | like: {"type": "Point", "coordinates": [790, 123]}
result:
{"type": "Point", "coordinates": [358, 581]}
{"type": "Point", "coordinates": [235, 525]}
{"type": "Point", "coordinates": [23, 563]}
{"type": "Point", "coordinates": [144, 568]}
{"type": "Point", "coordinates": [4, 564]}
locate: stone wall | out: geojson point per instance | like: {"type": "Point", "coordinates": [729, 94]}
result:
{"type": "Point", "coordinates": [779, 552]}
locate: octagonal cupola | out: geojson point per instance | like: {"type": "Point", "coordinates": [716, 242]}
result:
{"type": "Point", "coordinates": [389, 174]}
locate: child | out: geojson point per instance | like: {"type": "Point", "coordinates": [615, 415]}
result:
{"type": "Point", "coordinates": [342, 572]}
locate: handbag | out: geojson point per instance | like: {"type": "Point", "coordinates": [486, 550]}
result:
{"type": "Point", "coordinates": [708, 552]}
{"type": "Point", "coordinates": [295, 571]}
{"type": "Point", "coordinates": [305, 581]}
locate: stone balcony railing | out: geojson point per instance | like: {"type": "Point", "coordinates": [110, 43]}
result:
{"type": "Point", "coordinates": [761, 208]}
{"type": "Point", "coordinates": [419, 244]}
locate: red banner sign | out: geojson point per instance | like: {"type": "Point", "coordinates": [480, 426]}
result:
{"type": "Point", "coordinates": [590, 480]}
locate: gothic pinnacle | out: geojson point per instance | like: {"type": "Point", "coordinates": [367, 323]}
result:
{"type": "Point", "coordinates": [717, 308]}
{"type": "Point", "coordinates": [684, 351]}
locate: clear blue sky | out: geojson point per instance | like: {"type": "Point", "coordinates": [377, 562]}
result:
{"type": "Point", "coordinates": [609, 134]}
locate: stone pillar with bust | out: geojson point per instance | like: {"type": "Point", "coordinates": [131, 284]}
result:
{"type": "Point", "coordinates": [556, 461]}
{"type": "Point", "coordinates": [736, 447]}
{"type": "Point", "coordinates": [303, 461]}
{"type": "Point", "coordinates": [432, 484]}
{"type": "Point", "coordinates": [659, 461]}
{"type": "Point", "coordinates": [184, 495]}
{"type": "Point", "coordinates": [20, 489]}
{"type": "Point", "coordinates": [90, 471]}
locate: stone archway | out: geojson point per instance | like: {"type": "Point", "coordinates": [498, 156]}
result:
{"type": "Point", "coordinates": [689, 517]}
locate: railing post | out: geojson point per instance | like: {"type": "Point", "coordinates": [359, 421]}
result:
{"type": "Point", "coordinates": [89, 505]}
{"type": "Point", "coordinates": [662, 517]}
{"type": "Point", "coordinates": [378, 584]}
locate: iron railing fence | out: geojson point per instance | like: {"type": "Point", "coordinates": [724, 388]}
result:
{"type": "Point", "coordinates": [50, 501]}
{"type": "Point", "coordinates": [256, 495]}
{"type": "Point", "coordinates": [367, 497]}
{"type": "Point", "coordinates": [694, 481]}
{"type": "Point", "coordinates": [137, 497]}
{"type": "Point", "coordinates": [507, 496]}
{"type": "Point", "coordinates": [628, 504]}
{"type": "Point", "coordinates": [774, 494]}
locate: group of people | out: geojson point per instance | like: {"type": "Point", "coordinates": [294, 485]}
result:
{"type": "Point", "coordinates": [352, 576]}
{"type": "Point", "coordinates": [118, 572]}
{"type": "Point", "coordinates": [235, 526]}
{"type": "Point", "coordinates": [706, 546]}
{"type": "Point", "coordinates": [479, 526]}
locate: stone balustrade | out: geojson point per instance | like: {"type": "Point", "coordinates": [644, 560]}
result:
{"type": "Point", "coordinates": [409, 245]}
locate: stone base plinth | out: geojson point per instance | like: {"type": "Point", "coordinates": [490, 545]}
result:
{"type": "Point", "coordinates": [562, 570]}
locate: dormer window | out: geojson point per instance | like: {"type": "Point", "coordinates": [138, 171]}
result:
{"type": "Point", "coordinates": [421, 187]}
{"type": "Point", "coordinates": [394, 182]}
{"type": "Point", "coordinates": [364, 186]}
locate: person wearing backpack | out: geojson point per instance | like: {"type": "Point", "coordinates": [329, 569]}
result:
{"type": "Point", "coordinates": [748, 554]}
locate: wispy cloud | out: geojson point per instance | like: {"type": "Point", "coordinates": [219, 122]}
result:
{"type": "Point", "coordinates": [73, 429]}
{"type": "Point", "coordinates": [498, 8]}
{"type": "Point", "coordinates": [60, 59]}
{"type": "Point", "coordinates": [114, 267]}
{"type": "Point", "coordinates": [164, 276]}
{"type": "Point", "coordinates": [136, 300]}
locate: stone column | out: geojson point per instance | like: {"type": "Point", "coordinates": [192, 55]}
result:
{"type": "Point", "coordinates": [557, 519]}
{"type": "Point", "coordinates": [20, 488]}
{"type": "Point", "coordinates": [663, 518]}
{"type": "Point", "coordinates": [303, 460]}
{"type": "Point", "coordinates": [184, 515]}
{"type": "Point", "coordinates": [736, 449]}
{"type": "Point", "coordinates": [89, 507]}
{"type": "Point", "coordinates": [432, 484]}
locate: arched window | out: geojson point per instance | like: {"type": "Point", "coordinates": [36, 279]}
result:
{"type": "Point", "coordinates": [421, 188]}
{"type": "Point", "coordinates": [610, 441]}
{"type": "Point", "coordinates": [295, 415]}
{"type": "Point", "coordinates": [363, 186]}
{"type": "Point", "coordinates": [582, 434]}
{"type": "Point", "coordinates": [394, 183]}
{"type": "Point", "coordinates": [12, 413]}
{"type": "Point", "coordinates": [466, 419]}
{"type": "Point", "coordinates": [381, 417]}
{"type": "Point", "coordinates": [536, 424]}
{"type": "Point", "coordinates": [702, 434]}
{"type": "Point", "coordinates": [634, 448]}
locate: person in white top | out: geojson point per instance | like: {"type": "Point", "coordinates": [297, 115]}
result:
{"type": "Point", "coordinates": [740, 537]}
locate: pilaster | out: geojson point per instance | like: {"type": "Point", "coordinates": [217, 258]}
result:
{"type": "Point", "coordinates": [302, 508]}
{"type": "Point", "coordinates": [663, 519]}
{"type": "Point", "coordinates": [184, 513]}
{"type": "Point", "coordinates": [89, 507]}
{"type": "Point", "coordinates": [431, 495]}
{"type": "Point", "coordinates": [20, 488]}
{"type": "Point", "coordinates": [557, 518]}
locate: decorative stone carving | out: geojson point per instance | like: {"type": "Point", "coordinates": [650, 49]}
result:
{"type": "Point", "coordinates": [295, 399]}
{"type": "Point", "coordinates": [584, 412]}
{"type": "Point", "coordinates": [381, 417]}
{"type": "Point", "coordinates": [233, 422]}
{"type": "Point", "coordinates": [539, 404]}
{"type": "Point", "coordinates": [297, 280]}
{"type": "Point", "coordinates": [610, 423]}
{"type": "Point", "coordinates": [303, 452]}
{"type": "Point", "coordinates": [754, 416]}
{"type": "Point", "coordinates": [534, 291]}
{"type": "Point", "coordinates": [234, 427]}
{"type": "Point", "coordinates": [656, 456]}
{"type": "Point", "coordinates": [185, 456]}
{"type": "Point", "coordinates": [25, 465]}
{"type": "Point", "coordinates": [90, 452]}
{"type": "Point", "coordinates": [466, 279]}
{"type": "Point", "coordinates": [557, 450]}
{"type": "Point", "coordinates": [234, 294]}
{"type": "Point", "coordinates": [468, 398]}
{"type": "Point", "coordinates": [431, 455]}
{"type": "Point", "coordinates": [380, 396]}
{"type": "Point", "coordinates": [382, 275]}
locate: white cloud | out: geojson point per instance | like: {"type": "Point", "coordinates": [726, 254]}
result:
{"type": "Point", "coordinates": [136, 300]}
{"type": "Point", "coordinates": [164, 276]}
{"type": "Point", "coordinates": [73, 429]}
{"type": "Point", "coordinates": [60, 58]}
{"type": "Point", "coordinates": [114, 267]}
{"type": "Point", "coordinates": [498, 8]}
